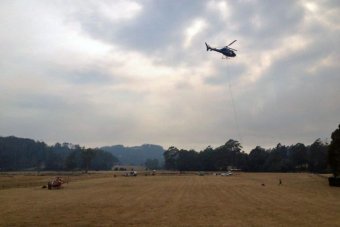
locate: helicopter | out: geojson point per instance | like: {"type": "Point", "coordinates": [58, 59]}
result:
{"type": "Point", "coordinates": [226, 51]}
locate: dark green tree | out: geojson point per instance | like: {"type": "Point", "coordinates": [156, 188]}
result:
{"type": "Point", "coordinates": [334, 153]}
{"type": "Point", "coordinates": [170, 158]}
{"type": "Point", "coordinates": [206, 158]}
{"type": "Point", "coordinates": [87, 155]}
{"type": "Point", "coordinates": [318, 156]}
{"type": "Point", "coordinates": [71, 160]}
{"type": "Point", "coordinates": [277, 160]}
{"type": "Point", "coordinates": [187, 160]}
{"type": "Point", "coordinates": [257, 159]}
{"type": "Point", "coordinates": [103, 160]}
{"type": "Point", "coordinates": [227, 155]}
{"type": "Point", "coordinates": [298, 156]}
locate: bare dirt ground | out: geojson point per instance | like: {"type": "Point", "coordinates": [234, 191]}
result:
{"type": "Point", "coordinates": [178, 200]}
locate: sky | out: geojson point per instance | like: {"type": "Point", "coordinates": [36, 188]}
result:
{"type": "Point", "coordinates": [99, 73]}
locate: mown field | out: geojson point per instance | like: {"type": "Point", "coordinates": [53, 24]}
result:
{"type": "Point", "coordinates": [171, 200]}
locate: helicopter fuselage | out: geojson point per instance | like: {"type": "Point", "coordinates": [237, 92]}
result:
{"type": "Point", "coordinates": [225, 51]}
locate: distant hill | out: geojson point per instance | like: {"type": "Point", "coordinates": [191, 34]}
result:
{"type": "Point", "coordinates": [136, 155]}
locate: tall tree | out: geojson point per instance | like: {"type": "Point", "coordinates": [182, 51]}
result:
{"type": "Point", "coordinates": [71, 160]}
{"type": "Point", "coordinates": [206, 158]}
{"type": "Point", "coordinates": [87, 155]}
{"type": "Point", "coordinates": [187, 160]}
{"type": "Point", "coordinates": [170, 158]}
{"type": "Point", "coordinates": [257, 159]}
{"type": "Point", "coordinates": [277, 160]}
{"type": "Point", "coordinates": [317, 156]}
{"type": "Point", "coordinates": [227, 155]}
{"type": "Point", "coordinates": [103, 160]}
{"type": "Point", "coordinates": [334, 153]}
{"type": "Point", "coordinates": [298, 156]}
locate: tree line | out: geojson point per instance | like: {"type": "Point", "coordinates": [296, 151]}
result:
{"type": "Point", "coordinates": [26, 154]}
{"type": "Point", "coordinates": [281, 158]}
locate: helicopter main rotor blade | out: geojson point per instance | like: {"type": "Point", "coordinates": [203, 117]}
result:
{"type": "Point", "coordinates": [232, 49]}
{"type": "Point", "coordinates": [232, 42]}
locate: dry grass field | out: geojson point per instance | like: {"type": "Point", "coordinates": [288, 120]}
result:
{"type": "Point", "coordinates": [183, 200]}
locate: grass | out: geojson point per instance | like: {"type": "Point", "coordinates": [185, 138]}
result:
{"type": "Point", "coordinates": [174, 200]}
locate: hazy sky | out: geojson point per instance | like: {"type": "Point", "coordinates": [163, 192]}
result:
{"type": "Point", "coordinates": [100, 73]}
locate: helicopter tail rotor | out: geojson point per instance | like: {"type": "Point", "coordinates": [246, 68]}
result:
{"type": "Point", "coordinates": [208, 47]}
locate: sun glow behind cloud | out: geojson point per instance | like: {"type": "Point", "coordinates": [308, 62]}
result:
{"type": "Point", "coordinates": [257, 64]}
{"type": "Point", "coordinates": [197, 26]}
{"type": "Point", "coordinates": [120, 10]}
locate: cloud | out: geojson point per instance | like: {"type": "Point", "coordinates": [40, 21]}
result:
{"type": "Point", "coordinates": [197, 27]}
{"type": "Point", "coordinates": [131, 72]}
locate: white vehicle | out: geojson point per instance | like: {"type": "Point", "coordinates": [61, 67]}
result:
{"type": "Point", "coordinates": [229, 173]}
{"type": "Point", "coordinates": [131, 174]}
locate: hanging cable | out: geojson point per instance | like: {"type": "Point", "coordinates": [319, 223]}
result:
{"type": "Point", "coordinates": [234, 107]}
